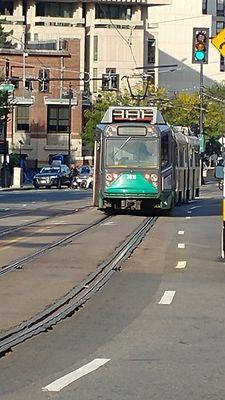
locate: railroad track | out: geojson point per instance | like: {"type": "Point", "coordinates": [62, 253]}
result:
{"type": "Point", "coordinates": [13, 229]}
{"type": "Point", "coordinates": [24, 212]}
{"type": "Point", "coordinates": [78, 295]}
{"type": "Point", "coordinates": [19, 263]}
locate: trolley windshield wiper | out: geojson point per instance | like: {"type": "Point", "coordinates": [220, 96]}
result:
{"type": "Point", "coordinates": [122, 145]}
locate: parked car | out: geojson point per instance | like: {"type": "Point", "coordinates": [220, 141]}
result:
{"type": "Point", "coordinates": [58, 176]}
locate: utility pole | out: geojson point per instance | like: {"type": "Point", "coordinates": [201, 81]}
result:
{"type": "Point", "coordinates": [5, 167]}
{"type": "Point", "coordinates": [70, 122]}
{"type": "Point", "coordinates": [201, 123]}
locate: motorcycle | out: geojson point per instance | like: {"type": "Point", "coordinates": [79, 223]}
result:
{"type": "Point", "coordinates": [82, 182]}
{"type": "Point", "coordinates": [220, 184]}
{"type": "Point", "coordinates": [85, 182]}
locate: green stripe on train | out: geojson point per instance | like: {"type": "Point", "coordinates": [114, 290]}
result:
{"type": "Point", "coordinates": [131, 183]}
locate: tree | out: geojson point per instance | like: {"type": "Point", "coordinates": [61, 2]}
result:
{"type": "Point", "coordinates": [5, 41]}
{"type": "Point", "coordinates": [94, 115]}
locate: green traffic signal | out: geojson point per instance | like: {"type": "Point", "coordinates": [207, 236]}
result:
{"type": "Point", "coordinates": [200, 45]}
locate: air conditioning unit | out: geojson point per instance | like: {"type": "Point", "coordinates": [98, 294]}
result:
{"type": "Point", "coordinates": [63, 44]}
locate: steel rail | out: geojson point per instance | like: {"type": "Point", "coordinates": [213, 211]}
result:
{"type": "Point", "coordinates": [77, 296]}
{"type": "Point", "coordinates": [18, 264]}
{"type": "Point", "coordinates": [13, 229]}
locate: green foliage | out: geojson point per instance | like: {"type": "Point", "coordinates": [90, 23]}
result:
{"type": "Point", "coordinates": [183, 109]}
{"type": "Point", "coordinates": [106, 99]}
{"type": "Point", "coordinates": [5, 41]}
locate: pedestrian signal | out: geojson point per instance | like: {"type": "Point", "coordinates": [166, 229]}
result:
{"type": "Point", "coordinates": [200, 45]}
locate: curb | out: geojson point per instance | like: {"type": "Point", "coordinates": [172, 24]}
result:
{"type": "Point", "coordinates": [11, 189]}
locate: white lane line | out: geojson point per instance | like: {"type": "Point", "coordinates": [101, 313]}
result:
{"type": "Point", "coordinates": [66, 380]}
{"type": "Point", "coordinates": [180, 232]}
{"type": "Point", "coordinates": [188, 217]}
{"type": "Point", "coordinates": [109, 223]}
{"type": "Point", "coordinates": [167, 298]}
{"type": "Point", "coordinates": [181, 245]}
{"type": "Point", "coordinates": [181, 264]}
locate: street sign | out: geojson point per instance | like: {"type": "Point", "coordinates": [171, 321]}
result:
{"type": "Point", "coordinates": [202, 143]}
{"type": "Point", "coordinates": [7, 87]}
{"type": "Point", "coordinates": [219, 42]}
{"type": "Point", "coordinates": [4, 148]}
{"type": "Point", "coordinates": [222, 140]}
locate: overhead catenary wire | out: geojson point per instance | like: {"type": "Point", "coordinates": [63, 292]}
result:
{"type": "Point", "coordinates": [119, 33]}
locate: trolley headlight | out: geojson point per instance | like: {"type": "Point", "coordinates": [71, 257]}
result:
{"type": "Point", "coordinates": [111, 130]}
{"type": "Point", "coordinates": [109, 177]}
{"type": "Point", "coordinates": [147, 176]}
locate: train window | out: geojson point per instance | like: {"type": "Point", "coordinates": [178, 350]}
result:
{"type": "Point", "coordinates": [191, 156]}
{"type": "Point", "coordinates": [130, 152]}
{"type": "Point", "coordinates": [197, 158]}
{"type": "Point", "coordinates": [181, 157]}
{"type": "Point", "coordinates": [165, 150]}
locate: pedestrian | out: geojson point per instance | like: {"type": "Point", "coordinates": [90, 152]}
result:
{"type": "Point", "coordinates": [213, 159]}
{"type": "Point", "coordinates": [74, 172]}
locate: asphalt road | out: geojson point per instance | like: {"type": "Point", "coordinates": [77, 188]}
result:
{"type": "Point", "coordinates": [31, 199]}
{"type": "Point", "coordinates": [155, 331]}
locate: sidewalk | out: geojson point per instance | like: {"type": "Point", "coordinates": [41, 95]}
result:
{"type": "Point", "coordinates": [26, 186]}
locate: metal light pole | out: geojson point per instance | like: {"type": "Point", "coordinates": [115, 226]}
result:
{"type": "Point", "coordinates": [5, 167]}
{"type": "Point", "coordinates": [70, 121]}
{"type": "Point", "coordinates": [201, 123]}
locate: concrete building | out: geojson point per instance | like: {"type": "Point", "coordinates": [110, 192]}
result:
{"type": "Point", "coordinates": [172, 26]}
{"type": "Point", "coordinates": [40, 110]}
{"type": "Point", "coordinates": [114, 34]}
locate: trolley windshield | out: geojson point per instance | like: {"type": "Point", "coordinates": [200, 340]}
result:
{"type": "Point", "coordinates": [132, 152]}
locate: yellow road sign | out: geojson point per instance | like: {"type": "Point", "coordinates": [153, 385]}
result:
{"type": "Point", "coordinates": [219, 42]}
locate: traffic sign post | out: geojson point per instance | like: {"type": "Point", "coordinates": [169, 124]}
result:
{"type": "Point", "coordinates": [219, 42]}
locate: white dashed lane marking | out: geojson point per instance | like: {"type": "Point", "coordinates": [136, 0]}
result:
{"type": "Point", "coordinates": [181, 245]}
{"type": "Point", "coordinates": [180, 232]}
{"type": "Point", "coordinates": [66, 380]}
{"type": "Point", "coordinates": [181, 264]}
{"type": "Point", "coordinates": [167, 297]}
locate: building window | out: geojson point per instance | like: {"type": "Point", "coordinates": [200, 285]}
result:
{"type": "Point", "coordinates": [22, 118]}
{"type": "Point", "coordinates": [95, 82]}
{"type": "Point", "coordinates": [220, 27]}
{"type": "Point", "coordinates": [220, 8]}
{"type": "Point", "coordinates": [51, 9]}
{"type": "Point", "coordinates": [95, 48]}
{"type": "Point", "coordinates": [6, 7]}
{"type": "Point", "coordinates": [58, 119]}
{"type": "Point", "coordinates": [204, 6]}
{"type": "Point", "coordinates": [112, 11]}
{"type": "Point", "coordinates": [151, 51]}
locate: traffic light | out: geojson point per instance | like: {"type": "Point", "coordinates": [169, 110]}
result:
{"type": "Point", "coordinates": [114, 82]}
{"type": "Point", "coordinates": [105, 82]}
{"type": "Point", "coordinates": [44, 80]}
{"type": "Point", "coordinates": [200, 45]}
{"type": "Point", "coordinates": [110, 82]}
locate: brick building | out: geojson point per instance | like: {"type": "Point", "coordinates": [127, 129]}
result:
{"type": "Point", "coordinates": [40, 117]}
